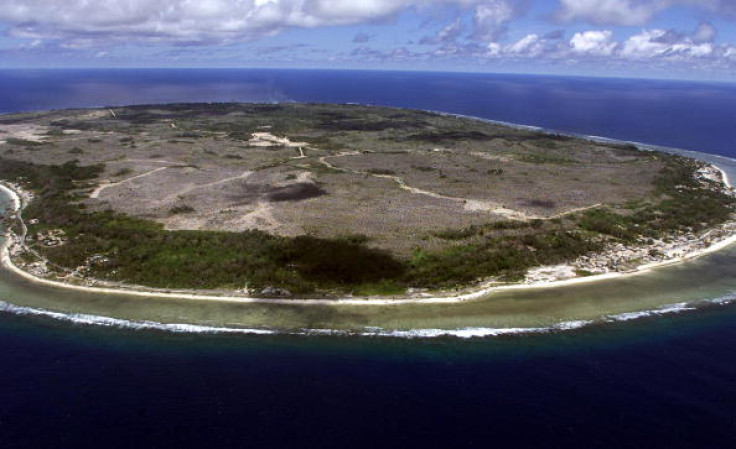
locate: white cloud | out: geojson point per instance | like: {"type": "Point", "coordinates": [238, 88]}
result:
{"type": "Point", "coordinates": [490, 19]}
{"type": "Point", "coordinates": [479, 32]}
{"type": "Point", "coordinates": [494, 49]}
{"type": "Point", "coordinates": [654, 49]}
{"type": "Point", "coordinates": [661, 43]}
{"type": "Point", "coordinates": [192, 22]}
{"type": "Point", "coordinates": [694, 50]}
{"type": "Point", "coordinates": [446, 34]}
{"type": "Point", "coordinates": [593, 43]}
{"type": "Point", "coordinates": [645, 45]}
{"type": "Point", "coordinates": [529, 45]}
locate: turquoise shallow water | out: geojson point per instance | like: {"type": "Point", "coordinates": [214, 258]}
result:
{"type": "Point", "coordinates": [670, 289]}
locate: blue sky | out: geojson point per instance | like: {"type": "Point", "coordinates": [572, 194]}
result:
{"type": "Point", "coordinates": [693, 39]}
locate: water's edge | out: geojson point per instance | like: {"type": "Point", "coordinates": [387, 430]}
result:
{"type": "Point", "coordinates": [510, 313]}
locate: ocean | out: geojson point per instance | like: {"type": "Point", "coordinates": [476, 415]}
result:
{"type": "Point", "coordinates": [658, 381]}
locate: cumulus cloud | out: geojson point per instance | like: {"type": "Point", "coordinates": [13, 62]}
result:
{"type": "Point", "coordinates": [528, 45]}
{"type": "Point", "coordinates": [648, 45]}
{"type": "Point", "coordinates": [593, 43]}
{"type": "Point", "coordinates": [476, 31]}
{"type": "Point", "coordinates": [662, 43]}
{"type": "Point", "coordinates": [494, 49]}
{"type": "Point", "coordinates": [191, 22]}
{"type": "Point", "coordinates": [649, 48]}
{"type": "Point", "coordinates": [490, 20]}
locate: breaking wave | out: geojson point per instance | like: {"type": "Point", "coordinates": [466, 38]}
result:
{"type": "Point", "coordinates": [462, 333]}
{"type": "Point", "coordinates": [97, 320]}
{"type": "Point", "coordinates": [664, 310]}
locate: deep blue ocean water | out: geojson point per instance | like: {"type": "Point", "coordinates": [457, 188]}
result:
{"type": "Point", "coordinates": [658, 382]}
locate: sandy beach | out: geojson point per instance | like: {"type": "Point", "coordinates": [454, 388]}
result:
{"type": "Point", "coordinates": [237, 297]}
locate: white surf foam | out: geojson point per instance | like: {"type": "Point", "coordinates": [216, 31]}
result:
{"type": "Point", "coordinates": [462, 333]}
{"type": "Point", "coordinates": [723, 300]}
{"type": "Point", "coordinates": [96, 320]}
{"type": "Point", "coordinates": [664, 310]}
{"type": "Point", "coordinates": [475, 332]}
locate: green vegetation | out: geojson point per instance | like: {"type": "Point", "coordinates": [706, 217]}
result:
{"type": "Point", "coordinates": [142, 252]}
{"type": "Point", "coordinates": [322, 142]}
{"type": "Point", "coordinates": [447, 136]}
{"type": "Point", "coordinates": [23, 142]}
{"type": "Point", "coordinates": [185, 209]}
{"type": "Point", "coordinates": [123, 172]}
{"type": "Point", "coordinates": [381, 171]}
{"type": "Point", "coordinates": [436, 153]}
{"type": "Point", "coordinates": [535, 158]}
{"type": "Point", "coordinates": [686, 205]}
{"type": "Point", "coordinates": [508, 257]}
{"type": "Point", "coordinates": [190, 134]}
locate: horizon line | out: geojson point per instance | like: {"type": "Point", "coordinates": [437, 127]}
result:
{"type": "Point", "coordinates": [422, 71]}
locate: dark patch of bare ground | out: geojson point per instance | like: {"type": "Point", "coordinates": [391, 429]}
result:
{"type": "Point", "coordinates": [250, 193]}
{"type": "Point", "coordinates": [295, 192]}
{"type": "Point", "coordinates": [542, 204]}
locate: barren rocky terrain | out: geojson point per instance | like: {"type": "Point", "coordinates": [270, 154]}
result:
{"type": "Point", "coordinates": [312, 200]}
{"type": "Point", "coordinates": [395, 176]}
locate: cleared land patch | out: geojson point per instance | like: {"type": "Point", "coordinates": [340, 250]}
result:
{"type": "Point", "coordinates": [430, 200]}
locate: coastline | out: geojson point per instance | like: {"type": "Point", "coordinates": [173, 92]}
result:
{"type": "Point", "coordinates": [10, 240]}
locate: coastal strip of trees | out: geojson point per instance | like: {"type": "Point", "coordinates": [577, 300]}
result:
{"type": "Point", "coordinates": [141, 252]}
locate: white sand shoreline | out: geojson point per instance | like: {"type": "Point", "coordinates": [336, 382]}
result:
{"type": "Point", "coordinates": [139, 291]}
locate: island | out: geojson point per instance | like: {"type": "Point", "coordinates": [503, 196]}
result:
{"type": "Point", "coordinates": [320, 202]}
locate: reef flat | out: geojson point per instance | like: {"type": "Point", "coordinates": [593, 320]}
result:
{"type": "Point", "coordinates": [340, 201]}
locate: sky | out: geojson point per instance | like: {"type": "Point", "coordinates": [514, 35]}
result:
{"type": "Point", "coordinates": [685, 39]}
